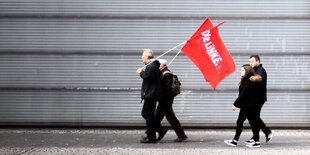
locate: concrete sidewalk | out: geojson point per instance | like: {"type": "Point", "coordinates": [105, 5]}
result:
{"type": "Point", "coordinates": [115, 141]}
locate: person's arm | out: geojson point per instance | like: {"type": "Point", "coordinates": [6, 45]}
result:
{"type": "Point", "coordinates": [148, 73]}
{"type": "Point", "coordinates": [233, 108]}
{"type": "Point", "coordinates": [244, 93]}
{"type": "Point", "coordinates": [262, 73]}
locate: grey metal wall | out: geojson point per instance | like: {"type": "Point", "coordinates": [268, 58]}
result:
{"type": "Point", "coordinates": [73, 62]}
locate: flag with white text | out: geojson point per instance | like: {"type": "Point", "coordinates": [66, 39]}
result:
{"type": "Point", "coordinates": [208, 52]}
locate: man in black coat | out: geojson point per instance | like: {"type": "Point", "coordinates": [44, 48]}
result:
{"type": "Point", "coordinates": [165, 108]}
{"type": "Point", "coordinates": [150, 92]}
{"type": "Point", "coordinates": [255, 64]}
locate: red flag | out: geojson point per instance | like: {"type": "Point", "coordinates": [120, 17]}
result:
{"type": "Point", "coordinates": [208, 52]}
{"type": "Point", "coordinates": [206, 25]}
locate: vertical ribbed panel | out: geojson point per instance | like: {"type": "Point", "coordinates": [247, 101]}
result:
{"type": "Point", "coordinates": [73, 62]}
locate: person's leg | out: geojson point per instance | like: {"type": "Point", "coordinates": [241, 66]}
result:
{"type": "Point", "coordinates": [253, 120]}
{"type": "Point", "coordinates": [159, 115]}
{"type": "Point", "coordinates": [241, 118]}
{"type": "Point", "coordinates": [143, 111]}
{"type": "Point", "coordinates": [149, 110]}
{"type": "Point", "coordinates": [262, 125]}
{"type": "Point", "coordinates": [172, 119]}
{"type": "Point", "coordinates": [268, 133]}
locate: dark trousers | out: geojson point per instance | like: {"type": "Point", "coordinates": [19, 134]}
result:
{"type": "Point", "coordinates": [252, 116]}
{"type": "Point", "coordinates": [148, 114]}
{"type": "Point", "coordinates": [163, 109]}
{"type": "Point", "coordinates": [261, 123]}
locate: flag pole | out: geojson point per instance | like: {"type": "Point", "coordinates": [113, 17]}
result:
{"type": "Point", "coordinates": [165, 53]}
{"type": "Point", "coordinates": [174, 58]}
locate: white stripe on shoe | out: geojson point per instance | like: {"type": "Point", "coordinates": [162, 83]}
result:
{"type": "Point", "coordinates": [254, 145]}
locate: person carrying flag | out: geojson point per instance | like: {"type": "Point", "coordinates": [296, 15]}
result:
{"type": "Point", "coordinates": [150, 92]}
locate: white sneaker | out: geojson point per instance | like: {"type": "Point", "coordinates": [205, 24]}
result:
{"type": "Point", "coordinates": [253, 145]}
{"type": "Point", "coordinates": [231, 142]}
{"type": "Point", "coordinates": [269, 136]}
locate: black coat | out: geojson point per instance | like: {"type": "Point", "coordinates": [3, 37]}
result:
{"type": "Point", "coordinates": [249, 93]}
{"type": "Point", "coordinates": [263, 86]}
{"type": "Point", "coordinates": [151, 85]}
{"type": "Point", "coordinates": [166, 83]}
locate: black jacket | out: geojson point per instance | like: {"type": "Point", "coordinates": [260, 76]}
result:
{"type": "Point", "coordinates": [151, 85]}
{"type": "Point", "coordinates": [249, 92]}
{"type": "Point", "coordinates": [166, 83]}
{"type": "Point", "coordinates": [263, 86]}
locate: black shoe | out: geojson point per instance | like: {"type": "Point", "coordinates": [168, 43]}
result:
{"type": "Point", "coordinates": [181, 139]}
{"type": "Point", "coordinates": [231, 142]}
{"type": "Point", "coordinates": [249, 141]}
{"type": "Point", "coordinates": [161, 135]}
{"type": "Point", "coordinates": [269, 136]}
{"type": "Point", "coordinates": [253, 145]}
{"type": "Point", "coordinates": [147, 141]}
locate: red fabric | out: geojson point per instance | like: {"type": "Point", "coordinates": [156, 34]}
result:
{"type": "Point", "coordinates": [208, 52]}
{"type": "Point", "coordinates": [206, 25]}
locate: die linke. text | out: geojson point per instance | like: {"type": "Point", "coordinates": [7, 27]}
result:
{"type": "Point", "coordinates": [210, 48]}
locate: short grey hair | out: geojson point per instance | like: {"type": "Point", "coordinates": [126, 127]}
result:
{"type": "Point", "coordinates": [149, 53]}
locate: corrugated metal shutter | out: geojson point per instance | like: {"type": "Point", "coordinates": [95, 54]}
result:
{"type": "Point", "coordinates": [118, 71]}
{"type": "Point", "coordinates": [237, 8]}
{"type": "Point", "coordinates": [132, 35]}
{"type": "Point", "coordinates": [122, 108]}
{"type": "Point", "coordinates": [74, 62]}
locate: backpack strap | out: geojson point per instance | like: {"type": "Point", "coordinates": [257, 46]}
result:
{"type": "Point", "coordinates": [165, 72]}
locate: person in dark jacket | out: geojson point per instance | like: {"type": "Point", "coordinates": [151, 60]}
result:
{"type": "Point", "coordinates": [150, 92]}
{"type": "Point", "coordinates": [255, 64]}
{"type": "Point", "coordinates": [247, 101]}
{"type": "Point", "coordinates": [164, 107]}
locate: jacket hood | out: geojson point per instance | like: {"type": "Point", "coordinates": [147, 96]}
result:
{"type": "Point", "coordinates": [256, 78]}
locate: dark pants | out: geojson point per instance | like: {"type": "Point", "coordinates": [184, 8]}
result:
{"type": "Point", "coordinates": [261, 123]}
{"type": "Point", "coordinates": [252, 116]}
{"type": "Point", "coordinates": [163, 109]}
{"type": "Point", "coordinates": [148, 114]}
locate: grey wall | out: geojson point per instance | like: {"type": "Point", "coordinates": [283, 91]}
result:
{"type": "Point", "coordinates": [73, 62]}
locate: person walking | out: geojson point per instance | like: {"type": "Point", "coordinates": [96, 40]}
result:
{"type": "Point", "coordinates": [150, 92]}
{"type": "Point", "coordinates": [247, 102]}
{"type": "Point", "coordinates": [165, 108]}
{"type": "Point", "coordinates": [255, 64]}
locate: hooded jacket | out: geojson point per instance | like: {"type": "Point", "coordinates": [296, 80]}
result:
{"type": "Point", "coordinates": [248, 97]}
{"type": "Point", "coordinates": [151, 85]}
